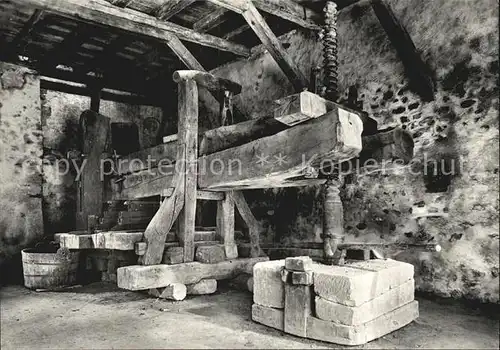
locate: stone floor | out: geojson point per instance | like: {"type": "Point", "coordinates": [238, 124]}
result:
{"type": "Point", "coordinates": [101, 316]}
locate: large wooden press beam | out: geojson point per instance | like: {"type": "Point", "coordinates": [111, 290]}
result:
{"type": "Point", "coordinates": [268, 161]}
{"type": "Point", "coordinates": [258, 24]}
{"type": "Point", "coordinates": [138, 277]}
{"type": "Point", "coordinates": [136, 22]}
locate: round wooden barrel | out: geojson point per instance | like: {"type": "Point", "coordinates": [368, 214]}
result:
{"type": "Point", "coordinates": [48, 270]}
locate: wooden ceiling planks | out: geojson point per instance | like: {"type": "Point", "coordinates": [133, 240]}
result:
{"type": "Point", "coordinates": [37, 28]}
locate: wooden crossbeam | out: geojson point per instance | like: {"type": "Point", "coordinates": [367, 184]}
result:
{"type": "Point", "coordinates": [171, 7]}
{"type": "Point", "coordinates": [133, 21]}
{"type": "Point", "coordinates": [418, 72]}
{"type": "Point", "coordinates": [213, 19]}
{"type": "Point", "coordinates": [265, 34]}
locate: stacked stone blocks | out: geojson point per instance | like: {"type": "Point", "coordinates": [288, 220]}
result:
{"type": "Point", "coordinates": [349, 305]}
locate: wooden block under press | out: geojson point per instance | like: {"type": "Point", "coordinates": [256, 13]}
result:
{"type": "Point", "coordinates": [297, 108]}
{"type": "Point", "coordinates": [298, 300]}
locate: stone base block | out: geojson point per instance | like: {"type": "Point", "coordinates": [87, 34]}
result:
{"type": "Point", "coordinates": [356, 335]}
{"type": "Point", "coordinates": [210, 254]}
{"type": "Point", "coordinates": [357, 282]}
{"type": "Point", "coordinates": [268, 288]}
{"type": "Point", "coordinates": [206, 286]}
{"type": "Point", "coordinates": [356, 315]}
{"type": "Point", "coordinates": [268, 316]}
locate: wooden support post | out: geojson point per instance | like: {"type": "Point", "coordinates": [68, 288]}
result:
{"type": "Point", "coordinates": [95, 130]}
{"type": "Point", "coordinates": [251, 222]}
{"type": "Point", "coordinates": [95, 98]}
{"type": "Point", "coordinates": [188, 135]}
{"type": "Point", "coordinates": [225, 225]}
{"type": "Point", "coordinates": [333, 222]}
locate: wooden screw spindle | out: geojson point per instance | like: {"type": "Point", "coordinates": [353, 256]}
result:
{"type": "Point", "coordinates": [333, 221]}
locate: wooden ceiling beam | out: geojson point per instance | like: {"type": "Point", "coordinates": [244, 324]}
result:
{"type": "Point", "coordinates": [212, 20]}
{"type": "Point", "coordinates": [99, 11]}
{"type": "Point", "coordinates": [417, 71]}
{"type": "Point", "coordinates": [267, 37]}
{"type": "Point", "coordinates": [171, 7]}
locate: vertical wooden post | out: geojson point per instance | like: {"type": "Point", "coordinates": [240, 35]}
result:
{"type": "Point", "coordinates": [95, 98]}
{"type": "Point", "coordinates": [188, 136]}
{"type": "Point", "coordinates": [225, 225]}
{"type": "Point", "coordinates": [333, 221]}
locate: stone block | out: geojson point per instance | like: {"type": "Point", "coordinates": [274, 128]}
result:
{"type": "Point", "coordinates": [357, 335]}
{"type": "Point", "coordinates": [206, 286]}
{"type": "Point", "coordinates": [355, 315]}
{"type": "Point", "coordinates": [173, 255]}
{"type": "Point", "coordinates": [174, 291]}
{"type": "Point", "coordinates": [210, 254]}
{"type": "Point", "coordinates": [360, 281]}
{"type": "Point", "coordinates": [268, 288]}
{"type": "Point", "coordinates": [268, 316]}
{"type": "Point", "coordinates": [302, 278]}
{"type": "Point", "coordinates": [298, 263]}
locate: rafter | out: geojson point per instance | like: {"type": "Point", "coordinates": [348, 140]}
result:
{"type": "Point", "coordinates": [267, 37]}
{"type": "Point", "coordinates": [27, 29]}
{"type": "Point", "coordinates": [99, 11]}
{"type": "Point", "coordinates": [212, 20]}
{"type": "Point", "coordinates": [172, 7]}
{"type": "Point", "coordinates": [416, 70]}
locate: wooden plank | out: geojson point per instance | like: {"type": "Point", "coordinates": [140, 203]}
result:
{"type": "Point", "coordinates": [275, 48]}
{"type": "Point", "coordinates": [298, 300]}
{"type": "Point", "coordinates": [90, 195]}
{"type": "Point", "coordinates": [267, 161]}
{"type": "Point", "coordinates": [172, 7]}
{"type": "Point", "coordinates": [210, 195]}
{"type": "Point", "coordinates": [225, 225]}
{"type": "Point", "coordinates": [188, 137]}
{"type": "Point", "coordinates": [162, 154]}
{"type": "Point", "coordinates": [237, 31]}
{"type": "Point", "coordinates": [210, 21]}
{"type": "Point", "coordinates": [250, 221]}
{"type": "Point", "coordinates": [418, 72]}
{"type": "Point", "coordinates": [207, 80]}
{"type": "Point", "coordinates": [146, 183]}
{"type": "Point", "coordinates": [132, 21]}
{"type": "Point", "coordinates": [162, 222]}
{"type": "Point", "coordinates": [139, 277]}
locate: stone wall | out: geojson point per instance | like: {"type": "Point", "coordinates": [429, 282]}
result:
{"type": "Point", "coordinates": [20, 162]}
{"type": "Point", "coordinates": [38, 128]}
{"type": "Point", "coordinates": [60, 117]}
{"type": "Point", "coordinates": [459, 41]}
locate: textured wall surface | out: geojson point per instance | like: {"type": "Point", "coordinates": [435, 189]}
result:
{"type": "Point", "coordinates": [60, 117]}
{"type": "Point", "coordinates": [459, 41]}
{"type": "Point", "coordinates": [20, 162]}
{"type": "Point", "coordinates": [37, 129]}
